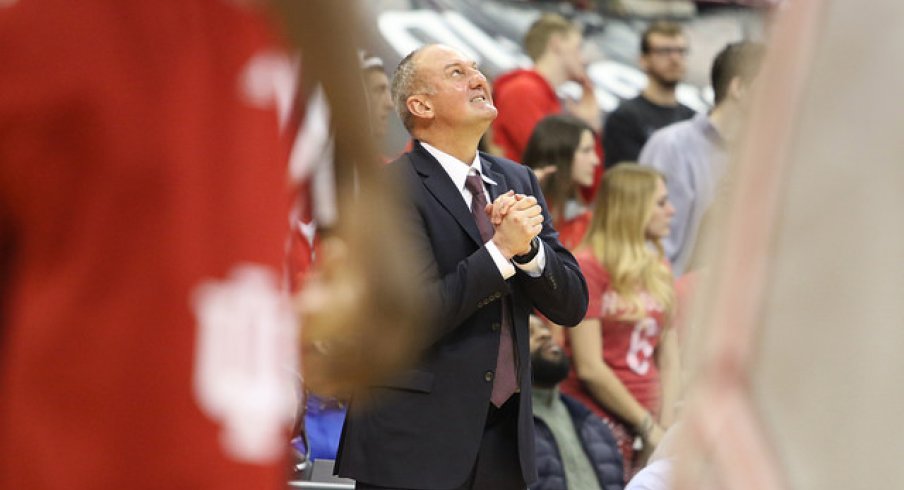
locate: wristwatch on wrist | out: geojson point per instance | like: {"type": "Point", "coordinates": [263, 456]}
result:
{"type": "Point", "coordinates": [534, 248]}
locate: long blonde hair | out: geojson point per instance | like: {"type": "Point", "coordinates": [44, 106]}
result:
{"type": "Point", "coordinates": [617, 237]}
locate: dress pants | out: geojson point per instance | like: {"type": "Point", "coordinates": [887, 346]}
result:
{"type": "Point", "coordinates": [497, 466]}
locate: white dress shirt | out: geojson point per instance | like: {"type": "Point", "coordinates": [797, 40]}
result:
{"type": "Point", "coordinates": [459, 172]}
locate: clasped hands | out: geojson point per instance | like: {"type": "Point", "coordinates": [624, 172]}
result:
{"type": "Point", "coordinates": [517, 219]}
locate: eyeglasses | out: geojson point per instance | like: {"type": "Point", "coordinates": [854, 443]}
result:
{"type": "Point", "coordinates": [668, 50]}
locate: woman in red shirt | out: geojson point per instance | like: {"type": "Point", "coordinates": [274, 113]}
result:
{"type": "Point", "coordinates": [562, 152]}
{"type": "Point", "coordinates": [625, 354]}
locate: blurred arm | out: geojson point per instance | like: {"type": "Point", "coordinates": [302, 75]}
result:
{"type": "Point", "coordinates": [668, 361]}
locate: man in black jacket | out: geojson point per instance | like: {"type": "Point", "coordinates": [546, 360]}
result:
{"type": "Point", "coordinates": [663, 56]}
{"type": "Point", "coordinates": [575, 449]}
{"type": "Point", "coordinates": [461, 418]}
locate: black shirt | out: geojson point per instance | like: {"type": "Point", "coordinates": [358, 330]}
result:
{"type": "Point", "coordinates": [631, 124]}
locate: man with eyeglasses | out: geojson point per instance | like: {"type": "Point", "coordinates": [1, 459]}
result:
{"type": "Point", "coordinates": [663, 57]}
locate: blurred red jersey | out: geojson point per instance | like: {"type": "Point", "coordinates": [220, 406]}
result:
{"type": "Point", "coordinates": [142, 218]}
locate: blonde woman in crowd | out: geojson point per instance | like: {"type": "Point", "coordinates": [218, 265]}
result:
{"type": "Point", "coordinates": [625, 354]}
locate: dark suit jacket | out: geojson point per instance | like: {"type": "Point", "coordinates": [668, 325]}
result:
{"type": "Point", "coordinates": [424, 427]}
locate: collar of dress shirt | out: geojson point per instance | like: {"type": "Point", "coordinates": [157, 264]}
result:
{"type": "Point", "coordinates": [705, 126]}
{"type": "Point", "coordinates": [455, 168]}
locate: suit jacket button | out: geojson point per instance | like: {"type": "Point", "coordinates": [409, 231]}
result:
{"type": "Point", "coordinates": [495, 326]}
{"type": "Point", "coordinates": [488, 376]}
{"type": "Point", "coordinates": [497, 295]}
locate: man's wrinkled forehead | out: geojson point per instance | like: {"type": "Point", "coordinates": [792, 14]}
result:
{"type": "Point", "coordinates": [440, 56]}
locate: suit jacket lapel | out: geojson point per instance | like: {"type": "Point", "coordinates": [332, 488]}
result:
{"type": "Point", "coordinates": [437, 181]}
{"type": "Point", "coordinates": [501, 186]}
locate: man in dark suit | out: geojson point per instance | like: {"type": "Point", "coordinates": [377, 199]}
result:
{"type": "Point", "coordinates": [462, 419]}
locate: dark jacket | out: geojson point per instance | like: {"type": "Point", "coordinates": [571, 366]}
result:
{"type": "Point", "coordinates": [598, 442]}
{"type": "Point", "coordinates": [423, 428]}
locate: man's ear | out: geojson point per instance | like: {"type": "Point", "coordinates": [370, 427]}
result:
{"type": "Point", "coordinates": [737, 89]}
{"type": "Point", "coordinates": [644, 62]}
{"type": "Point", "coordinates": [420, 106]}
{"type": "Point", "coordinates": [555, 40]}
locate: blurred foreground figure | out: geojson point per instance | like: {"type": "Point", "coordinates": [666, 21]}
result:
{"type": "Point", "coordinates": [143, 203]}
{"type": "Point", "coordinates": [328, 329]}
{"type": "Point", "coordinates": [142, 211]}
{"type": "Point", "coordinates": [799, 359]}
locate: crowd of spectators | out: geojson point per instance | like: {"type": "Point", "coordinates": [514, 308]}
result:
{"type": "Point", "coordinates": [624, 197]}
{"type": "Point", "coordinates": [633, 235]}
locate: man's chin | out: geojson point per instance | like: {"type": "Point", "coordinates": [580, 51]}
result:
{"type": "Point", "coordinates": [553, 356]}
{"type": "Point", "coordinates": [488, 109]}
{"type": "Point", "coordinates": [669, 83]}
{"type": "Point", "coordinates": [487, 114]}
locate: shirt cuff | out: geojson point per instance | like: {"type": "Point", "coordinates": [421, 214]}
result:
{"type": "Point", "coordinates": [535, 267]}
{"type": "Point", "coordinates": [505, 266]}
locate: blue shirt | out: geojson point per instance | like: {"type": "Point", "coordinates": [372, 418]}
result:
{"type": "Point", "coordinates": [692, 156]}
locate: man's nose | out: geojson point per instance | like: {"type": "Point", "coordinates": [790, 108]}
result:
{"type": "Point", "coordinates": [478, 78]}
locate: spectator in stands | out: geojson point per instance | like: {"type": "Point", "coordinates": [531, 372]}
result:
{"type": "Point", "coordinates": [575, 449]}
{"type": "Point", "coordinates": [525, 96]}
{"type": "Point", "coordinates": [625, 354]}
{"type": "Point", "coordinates": [663, 48]}
{"type": "Point", "coordinates": [323, 415]}
{"type": "Point", "coordinates": [376, 88]}
{"type": "Point", "coordinates": [562, 153]}
{"type": "Point", "coordinates": [693, 155]}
